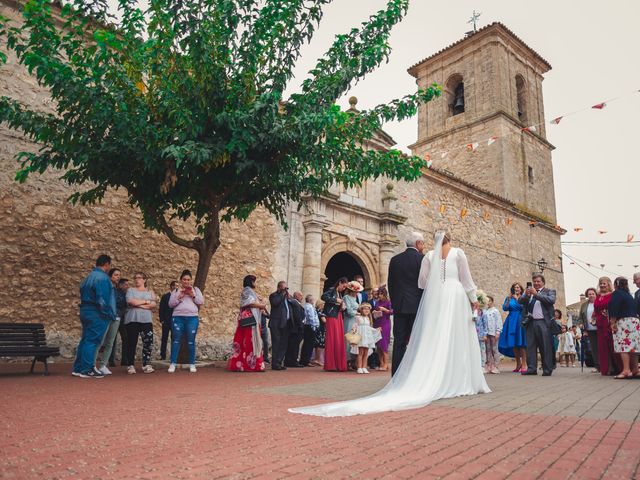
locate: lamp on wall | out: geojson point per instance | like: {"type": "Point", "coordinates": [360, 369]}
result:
{"type": "Point", "coordinates": [542, 264]}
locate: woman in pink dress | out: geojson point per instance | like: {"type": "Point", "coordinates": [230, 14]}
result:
{"type": "Point", "coordinates": [247, 353]}
{"type": "Point", "coordinates": [610, 361]}
{"type": "Point", "coordinates": [335, 350]}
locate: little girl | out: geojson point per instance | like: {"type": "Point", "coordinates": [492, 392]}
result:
{"type": "Point", "coordinates": [368, 337]}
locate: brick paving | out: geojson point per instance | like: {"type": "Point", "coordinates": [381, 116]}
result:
{"type": "Point", "coordinates": [217, 424]}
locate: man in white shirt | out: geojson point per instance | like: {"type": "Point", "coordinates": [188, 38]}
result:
{"type": "Point", "coordinates": [538, 304]}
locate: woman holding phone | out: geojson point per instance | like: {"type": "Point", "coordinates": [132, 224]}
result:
{"type": "Point", "coordinates": [185, 301]}
{"type": "Point", "coordinates": [512, 341]}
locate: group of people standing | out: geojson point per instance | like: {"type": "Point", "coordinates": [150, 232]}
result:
{"type": "Point", "coordinates": [110, 306]}
{"type": "Point", "coordinates": [609, 321]}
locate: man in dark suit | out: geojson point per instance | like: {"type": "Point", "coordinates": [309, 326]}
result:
{"type": "Point", "coordinates": [636, 296]}
{"type": "Point", "coordinates": [362, 296]}
{"type": "Point", "coordinates": [296, 331]}
{"type": "Point", "coordinates": [279, 321]}
{"type": "Point", "coordinates": [405, 295]}
{"type": "Point", "coordinates": [166, 314]}
{"type": "Point", "coordinates": [538, 304]}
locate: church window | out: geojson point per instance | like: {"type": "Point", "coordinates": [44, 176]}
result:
{"type": "Point", "coordinates": [455, 94]}
{"type": "Point", "coordinates": [521, 98]}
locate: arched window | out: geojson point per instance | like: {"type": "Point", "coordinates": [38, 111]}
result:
{"type": "Point", "coordinates": [455, 94]}
{"type": "Point", "coordinates": [521, 98]}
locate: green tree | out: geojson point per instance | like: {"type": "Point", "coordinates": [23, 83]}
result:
{"type": "Point", "coordinates": [182, 106]}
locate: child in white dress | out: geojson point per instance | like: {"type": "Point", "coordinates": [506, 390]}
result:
{"type": "Point", "coordinates": [368, 337]}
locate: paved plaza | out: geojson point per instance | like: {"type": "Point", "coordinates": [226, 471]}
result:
{"type": "Point", "coordinates": [216, 424]}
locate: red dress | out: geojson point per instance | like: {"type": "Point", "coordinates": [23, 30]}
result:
{"type": "Point", "coordinates": [243, 359]}
{"type": "Point", "coordinates": [335, 350]}
{"type": "Point", "coordinates": [610, 361]}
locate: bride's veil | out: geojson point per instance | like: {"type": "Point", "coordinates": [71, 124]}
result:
{"type": "Point", "coordinates": [411, 386]}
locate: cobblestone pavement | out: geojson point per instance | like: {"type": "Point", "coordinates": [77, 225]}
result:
{"type": "Point", "coordinates": [216, 424]}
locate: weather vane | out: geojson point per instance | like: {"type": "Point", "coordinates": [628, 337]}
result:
{"type": "Point", "coordinates": [474, 18]}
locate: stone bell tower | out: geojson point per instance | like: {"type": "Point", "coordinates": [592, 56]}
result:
{"type": "Point", "coordinates": [492, 87]}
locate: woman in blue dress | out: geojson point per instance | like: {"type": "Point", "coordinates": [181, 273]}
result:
{"type": "Point", "coordinates": [512, 339]}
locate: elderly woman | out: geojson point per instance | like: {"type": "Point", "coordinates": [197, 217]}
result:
{"type": "Point", "coordinates": [247, 342]}
{"type": "Point", "coordinates": [335, 351]}
{"type": "Point", "coordinates": [349, 315]}
{"type": "Point", "coordinates": [139, 322]}
{"type": "Point", "coordinates": [610, 362]}
{"type": "Point", "coordinates": [186, 302]}
{"type": "Point", "coordinates": [625, 328]}
{"type": "Point", "coordinates": [588, 325]}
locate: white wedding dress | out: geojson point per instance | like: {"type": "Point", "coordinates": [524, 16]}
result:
{"type": "Point", "coordinates": [443, 356]}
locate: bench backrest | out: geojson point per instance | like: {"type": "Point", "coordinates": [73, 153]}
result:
{"type": "Point", "coordinates": [22, 335]}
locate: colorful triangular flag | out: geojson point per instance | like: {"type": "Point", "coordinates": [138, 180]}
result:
{"type": "Point", "coordinates": [629, 238]}
{"type": "Point", "coordinates": [443, 208]}
{"type": "Point", "coordinates": [425, 202]}
{"type": "Point", "coordinates": [463, 212]}
{"type": "Point", "coordinates": [472, 146]}
{"type": "Point", "coordinates": [555, 121]}
{"type": "Point", "coordinates": [602, 232]}
{"type": "Point", "coordinates": [485, 216]}
{"type": "Point", "coordinates": [491, 140]}
{"type": "Point", "coordinates": [444, 154]}
{"type": "Point", "coordinates": [509, 221]}
{"type": "Point", "coordinates": [578, 229]}
{"type": "Point", "coordinates": [600, 106]}
{"type": "Point", "coordinates": [532, 128]}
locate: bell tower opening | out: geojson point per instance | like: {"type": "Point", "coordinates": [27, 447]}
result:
{"type": "Point", "coordinates": [342, 264]}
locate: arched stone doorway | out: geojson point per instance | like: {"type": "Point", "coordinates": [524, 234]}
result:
{"type": "Point", "coordinates": [342, 264]}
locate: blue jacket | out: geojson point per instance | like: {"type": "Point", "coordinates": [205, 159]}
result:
{"type": "Point", "coordinates": [97, 294]}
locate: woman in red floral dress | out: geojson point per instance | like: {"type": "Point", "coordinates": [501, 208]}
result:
{"type": "Point", "coordinates": [247, 353]}
{"type": "Point", "coordinates": [626, 328]}
{"type": "Point", "coordinates": [610, 362]}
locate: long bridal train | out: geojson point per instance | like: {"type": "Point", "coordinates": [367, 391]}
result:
{"type": "Point", "coordinates": [443, 356]}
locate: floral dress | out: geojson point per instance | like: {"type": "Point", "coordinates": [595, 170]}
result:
{"type": "Point", "coordinates": [247, 355]}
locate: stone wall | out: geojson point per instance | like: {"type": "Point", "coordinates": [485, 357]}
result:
{"type": "Point", "coordinates": [48, 245]}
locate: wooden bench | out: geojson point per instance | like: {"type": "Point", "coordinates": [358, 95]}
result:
{"type": "Point", "coordinates": [26, 340]}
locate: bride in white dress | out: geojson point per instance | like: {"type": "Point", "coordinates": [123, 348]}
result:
{"type": "Point", "coordinates": [443, 356]}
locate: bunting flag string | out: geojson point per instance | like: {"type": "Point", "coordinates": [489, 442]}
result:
{"type": "Point", "coordinates": [596, 266]}
{"type": "Point", "coordinates": [473, 146]}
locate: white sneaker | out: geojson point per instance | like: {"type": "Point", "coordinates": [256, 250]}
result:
{"type": "Point", "coordinates": [147, 369]}
{"type": "Point", "coordinates": [105, 371]}
{"type": "Point", "coordinates": [192, 369]}
{"type": "Point", "coordinates": [172, 368]}
{"type": "Point", "coordinates": [364, 370]}
{"type": "Point", "coordinates": [360, 370]}
{"type": "Point", "coordinates": [131, 370]}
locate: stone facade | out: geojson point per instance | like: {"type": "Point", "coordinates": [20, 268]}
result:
{"type": "Point", "coordinates": [48, 245]}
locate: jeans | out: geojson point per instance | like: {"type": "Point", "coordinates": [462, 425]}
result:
{"type": "Point", "coordinates": [108, 342]}
{"type": "Point", "coordinates": [184, 326]}
{"type": "Point", "coordinates": [94, 326]}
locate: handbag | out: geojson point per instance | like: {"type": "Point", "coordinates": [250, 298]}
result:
{"type": "Point", "coordinates": [246, 318]}
{"type": "Point", "coordinates": [353, 338]}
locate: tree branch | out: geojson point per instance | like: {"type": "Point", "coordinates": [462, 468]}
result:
{"type": "Point", "coordinates": [171, 234]}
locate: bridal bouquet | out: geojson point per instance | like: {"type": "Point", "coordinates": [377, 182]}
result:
{"type": "Point", "coordinates": [483, 300]}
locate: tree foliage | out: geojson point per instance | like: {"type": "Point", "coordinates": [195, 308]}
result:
{"type": "Point", "coordinates": [182, 106]}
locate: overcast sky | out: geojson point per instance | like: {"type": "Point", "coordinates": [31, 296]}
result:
{"type": "Point", "coordinates": [593, 49]}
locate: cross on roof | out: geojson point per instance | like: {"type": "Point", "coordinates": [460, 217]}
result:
{"type": "Point", "coordinates": [474, 18]}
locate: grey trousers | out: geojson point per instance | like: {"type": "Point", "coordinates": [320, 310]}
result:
{"type": "Point", "coordinates": [107, 342]}
{"type": "Point", "coordinates": [593, 344]}
{"type": "Point", "coordinates": [539, 338]}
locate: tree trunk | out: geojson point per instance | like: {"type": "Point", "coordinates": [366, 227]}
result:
{"type": "Point", "coordinates": [206, 248]}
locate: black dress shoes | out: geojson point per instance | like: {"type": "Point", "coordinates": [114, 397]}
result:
{"type": "Point", "coordinates": [529, 372]}
{"type": "Point", "coordinates": [294, 365]}
{"type": "Point", "coordinates": [546, 374]}
{"type": "Point", "coordinates": [278, 367]}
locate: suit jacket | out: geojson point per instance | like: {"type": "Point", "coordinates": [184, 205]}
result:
{"type": "Point", "coordinates": [165, 311]}
{"type": "Point", "coordinates": [362, 297]}
{"type": "Point", "coordinates": [546, 297]}
{"type": "Point", "coordinates": [278, 316]}
{"type": "Point", "coordinates": [402, 281]}
{"type": "Point", "coordinates": [637, 298]}
{"type": "Point", "coordinates": [297, 315]}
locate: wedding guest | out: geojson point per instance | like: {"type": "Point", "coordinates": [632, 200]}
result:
{"type": "Point", "coordinates": [361, 296]}
{"type": "Point", "coordinates": [166, 313]}
{"type": "Point", "coordinates": [480, 321]}
{"type": "Point", "coordinates": [494, 327]}
{"type": "Point", "coordinates": [368, 337]}
{"type": "Point", "coordinates": [279, 324]}
{"type": "Point", "coordinates": [374, 297]}
{"type": "Point", "coordinates": [335, 350]}
{"type": "Point", "coordinates": [311, 324]}
{"type": "Point", "coordinates": [112, 331]}
{"type": "Point", "coordinates": [264, 334]}
{"type": "Point", "coordinates": [512, 342]}
{"type": "Point", "coordinates": [537, 301]}
{"type": "Point", "coordinates": [382, 320]}
{"type": "Point", "coordinates": [186, 302]}
{"type": "Point", "coordinates": [349, 316]}
{"type": "Point", "coordinates": [318, 355]}
{"type": "Point", "coordinates": [557, 316]}
{"type": "Point", "coordinates": [587, 321]}
{"type": "Point", "coordinates": [610, 361]}
{"type": "Point", "coordinates": [296, 331]}
{"type": "Point", "coordinates": [97, 309]}
{"type": "Point", "coordinates": [625, 327]}
{"type": "Point", "coordinates": [139, 322]}
{"type": "Point", "coordinates": [577, 335]}
{"type": "Point", "coordinates": [636, 296]}
{"type": "Point", "coordinates": [247, 341]}
{"type": "Point", "coordinates": [121, 310]}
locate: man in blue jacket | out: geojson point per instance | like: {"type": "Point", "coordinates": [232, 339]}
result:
{"type": "Point", "coordinates": [97, 309]}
